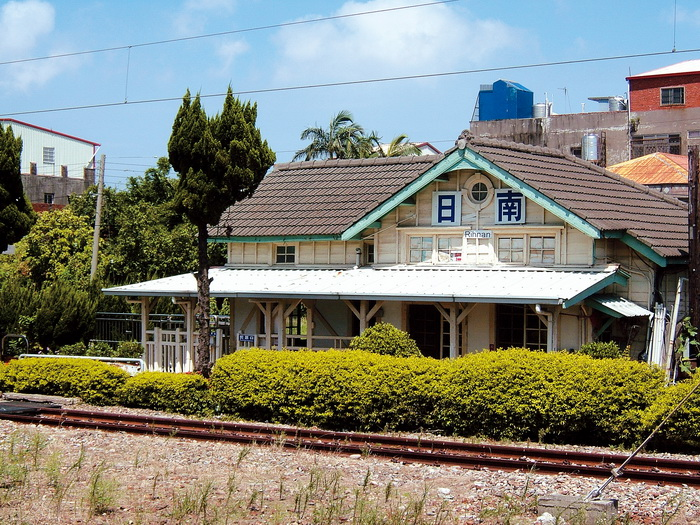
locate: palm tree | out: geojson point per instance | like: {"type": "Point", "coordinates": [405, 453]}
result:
{"type": "Point", "coordinates": [399, 146]}
{"type": "Point", "coordinates": [344, 139]}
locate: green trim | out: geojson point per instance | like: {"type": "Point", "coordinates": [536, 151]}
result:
{"type": "Point", "coordinates": [411, 201]}
{"type": "Point", "coordinates": [276, 238]}
{"type": "Point", "coordinates": [603, 328]}
{"type": "Point", "coordinates": [644, 250]}
{"type": "Point", "coordinates": [616, 278]}
{"type": "Point", "coordinates": [476, 161]}
{"type": "Point", "coordinates": [449, 163]}
{"type": "Point", "coordinates": [602, 308]}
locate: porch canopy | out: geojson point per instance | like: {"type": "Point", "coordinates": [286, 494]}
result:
{"type": "Point", "coordinates": [514, 285]}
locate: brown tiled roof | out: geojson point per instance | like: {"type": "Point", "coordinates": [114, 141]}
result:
{"type": "Point", "coordinates": [319, 197]}
{"type": "Point", "coordinates": [656, 168]}
{"type": "Point", "coordinates": [604, 199]}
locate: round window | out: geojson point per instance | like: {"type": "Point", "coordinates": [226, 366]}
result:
{"type": "Point", "coordinates": [479, 192]}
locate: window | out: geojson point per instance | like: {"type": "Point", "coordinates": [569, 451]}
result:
{"type": "Point", "coordinates": [369, 253]}
{"type": "Point", "coordinates": [286, 254]}
{"type": "Point", "coordinates": [479, 190]}
{"type": "Point", "coordinates": [519, 325]}
{"type": "Point", "coordinates": [478, 250]}
{"type": "Point", "coordinates": [528, 249]}
{"type": "Point", "coordinates": [49, 198]}
{"type": "Point", "coordinates": [511, 249]}
{"type": "Point", "coordinates": [674, 96]}
{"type": "Point", "coordinates": [421, 249]}
{"type": "Point", "coordinates": [542, 250]}
{"type": "Point", "coordinates": [49, 155]}
{"type": "Point", "coordinates": [449, 249]}
{"type": "Point", "coordinates": [648, 144]}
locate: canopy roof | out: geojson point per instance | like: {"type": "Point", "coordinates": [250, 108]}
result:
{"type": "Point", "coordinates": [514, 285]}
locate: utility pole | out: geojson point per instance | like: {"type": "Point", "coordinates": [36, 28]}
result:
{"type": "Point", "coordinates": [98, 217]}
{"type": "Point", "coordinates": [693, 241]}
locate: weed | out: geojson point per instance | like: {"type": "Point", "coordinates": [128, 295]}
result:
{"type": "Point", "coordinates": [102, 491]}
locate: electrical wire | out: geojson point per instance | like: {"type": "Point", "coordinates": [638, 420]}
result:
{"type": "Point", "coordinates": [224, 33]}
{"type": "Point", "coordinates": [363, 81]}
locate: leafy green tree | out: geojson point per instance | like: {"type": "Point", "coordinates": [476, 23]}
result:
{"type": "Point", "coordinates": [219, 161]}
{"type": "Point", "coordinates": [154, 187]}
{"type": "Point", "coordinates": [398, 147]}
{"type": "Point", "coordinates": [58, 247]}
{"type": "Point", "coordinates": [65, 315]}
{"type": "Point", "coordinates": [343, 139]}
{"type": "Point", "coordinates": [16, 214]}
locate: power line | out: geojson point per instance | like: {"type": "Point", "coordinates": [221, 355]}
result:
{"type": "Point", "coordinates": [225, 33]}
{"type": "Point", "coordinates": [365, 81]}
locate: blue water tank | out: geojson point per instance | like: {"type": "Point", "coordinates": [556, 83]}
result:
{"type": "Point", "coordinates": [505, 100]}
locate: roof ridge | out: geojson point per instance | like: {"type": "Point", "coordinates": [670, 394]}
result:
{"type": "Point", "coordinates": [369, 161]}
{"type": "Point", "coordinates": [517, 146]}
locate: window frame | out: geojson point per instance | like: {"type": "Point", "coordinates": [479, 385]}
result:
{"type": "Point", "coordinates": [670, 93]}
{"type": "Point", "coordinates": [289, 250]}
{"type": "Point", "coordinates": [527, 248]}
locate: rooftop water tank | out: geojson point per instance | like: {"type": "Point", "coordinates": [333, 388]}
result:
{"type": "Point", "coordinates": [504, 100]}
{"type": "Point", "coordinates": [589, 147]}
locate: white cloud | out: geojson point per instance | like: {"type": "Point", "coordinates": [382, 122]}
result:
{"type": "Point", "coordinates": [403, 42]}
{"type": "Point", "coordinates": [26, 26]}
{"type": "Point", "coordinates": [228, 52]}
{"type": "Point", "coordinates": [23, 25]}
{"type": "Point", "coordinates": [193, 16]}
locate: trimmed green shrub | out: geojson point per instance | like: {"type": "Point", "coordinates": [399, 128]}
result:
{"type": "Point", "coordinates": [93, 381]}
{"type": "Point", "coordinates": [603, 350]}
{"type": "Point", "coordinates": [348, 390]}
{"type": "Point", "coordinates": [182, 393]}
{"type": "Point", "coordinates": [554, 397]}
{"type": "Point", "coordinates": [386, 339]}
{"type": "Point", "coordinates": [682, 430]}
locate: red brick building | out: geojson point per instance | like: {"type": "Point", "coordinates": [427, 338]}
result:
{"type": "Point", "coordinates": [671, 87]}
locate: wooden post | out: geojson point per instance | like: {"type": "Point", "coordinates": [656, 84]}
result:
{"type": "Point", "coordinates": [693, 223]}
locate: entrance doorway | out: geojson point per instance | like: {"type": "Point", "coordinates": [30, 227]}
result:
{"type": "Point", "coordinates": [424, 323]}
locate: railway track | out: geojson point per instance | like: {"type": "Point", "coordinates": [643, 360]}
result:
{"type": "Point", "coordinates": [397, 448]}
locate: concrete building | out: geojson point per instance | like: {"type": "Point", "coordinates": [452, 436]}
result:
{"type": "Point", "coordinates": [53, 165]}
{"type": "Point", "coordinates": [663, 115]}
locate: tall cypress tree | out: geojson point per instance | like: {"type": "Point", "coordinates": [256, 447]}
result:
{"type": "Point", "coordinates": [219, 161]}
{"type": "Point", "coordinates": [16, 214]}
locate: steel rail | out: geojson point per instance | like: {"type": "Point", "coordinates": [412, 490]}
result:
{"type": "Point", "coordinates": [400, 448]}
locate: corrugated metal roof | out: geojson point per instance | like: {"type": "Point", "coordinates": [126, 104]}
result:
{"type": "Point", "coordinates": [681, 68]}
{"type": "Point", "coordinates": [398, 283]}
{"type": "Point", "coordinates": [656, 168]}
{"type": "Point", "coordinates": [617, 306]}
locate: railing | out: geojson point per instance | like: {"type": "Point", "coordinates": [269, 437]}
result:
{"type": "Point", "coordinates": [169, 351]}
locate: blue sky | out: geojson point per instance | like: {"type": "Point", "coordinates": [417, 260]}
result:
{"type": "Point", "coordinates": [458, 36]}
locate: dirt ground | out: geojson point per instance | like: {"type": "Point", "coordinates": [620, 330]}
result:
{"type": "Point", "coordinates": [66, 476]}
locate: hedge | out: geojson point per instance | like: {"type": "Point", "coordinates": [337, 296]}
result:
{"type": "Point", "coordinates": [333, 389]}
{"type": "Point", "coordinates": [553, 397]}
{"type": "Point", "coordinates": [93, 381]}
{"type": "Point", "coordinates": [181, 393]}
{"type": "Point", "coordinates": [506, 394]}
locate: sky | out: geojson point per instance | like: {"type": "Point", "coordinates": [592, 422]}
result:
{"type": "Point", "coordinates": [409, 67]}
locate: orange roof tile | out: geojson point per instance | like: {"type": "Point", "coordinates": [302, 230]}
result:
{"type": "Point", "coordinates": [657, 168]}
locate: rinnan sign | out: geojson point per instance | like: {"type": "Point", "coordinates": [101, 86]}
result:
{"type": "Point", "coordinates": [478, 234]}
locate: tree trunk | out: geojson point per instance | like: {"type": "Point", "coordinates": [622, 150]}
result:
{"type": "Point", "coordinates": [201, 356]}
